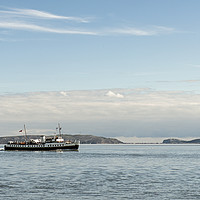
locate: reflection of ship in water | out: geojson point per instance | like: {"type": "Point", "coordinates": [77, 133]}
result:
{"type": "Point", "coordinates": [43, 144]}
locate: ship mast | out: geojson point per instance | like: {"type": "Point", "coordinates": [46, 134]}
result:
{"type": "Point", "coordinates": [25, 133]}
{"type": "Point", "coordinates": [59, 129]}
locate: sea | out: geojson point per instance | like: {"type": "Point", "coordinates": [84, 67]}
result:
{"type": "Point", "coordinates": [97, 172]}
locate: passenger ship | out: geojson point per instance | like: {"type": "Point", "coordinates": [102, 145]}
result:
{"type": "Point", "coordinates": [43, 144]}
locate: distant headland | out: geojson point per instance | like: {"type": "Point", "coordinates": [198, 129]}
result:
{"type": "Point", "coordinates": [178, 141]}
{"type": "Point", "coordinates": [84, 139]}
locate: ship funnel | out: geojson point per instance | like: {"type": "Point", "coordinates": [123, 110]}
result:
{"type": "Point", "coordinates": [43, 138]}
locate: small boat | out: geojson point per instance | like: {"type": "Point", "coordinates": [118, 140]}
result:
{"type": "Point", "coordinates": [42, 144]}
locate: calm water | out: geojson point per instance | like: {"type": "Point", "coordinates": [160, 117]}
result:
{"type": "Point", "coordinates": [102, 172]}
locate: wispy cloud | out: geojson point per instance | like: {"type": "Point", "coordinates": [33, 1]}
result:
{"type": "Point", "coordinates": [180, 81]}
{"type": "Point", "coordinates": [19, 19]}
{"type": "Point", "coordinates": [33, 27]}
{"type": "Point", "coordinates": [190, 81]}
{"type": "Point", "coordinates": [40, 14]}
{"type": "Point", "coordinates": [131, 31]}
{"type": "Point", "coordinates": [35, 20]}
{"type": "Point", "coordinates": [150, 31]}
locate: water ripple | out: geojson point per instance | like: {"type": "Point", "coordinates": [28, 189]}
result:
{"type": "Point", "coordinates": [102, 172]}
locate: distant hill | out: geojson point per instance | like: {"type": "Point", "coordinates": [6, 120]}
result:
{"type": "Point", "coordinates": [177, 141]}
{"type": "Point", "coordinates": [84, 139]}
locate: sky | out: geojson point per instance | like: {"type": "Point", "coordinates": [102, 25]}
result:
{"type": "Point", "coordinates": [119, 67]}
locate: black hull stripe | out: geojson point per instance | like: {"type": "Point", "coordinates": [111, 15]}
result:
{"type": "Point", "coordinates": [75, 147]}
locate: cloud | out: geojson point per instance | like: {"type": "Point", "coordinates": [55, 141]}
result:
{"type": "Point", "coordinates": [141, 112]}
{"type": "Point", "coordinates": [190, 81]}
{"type": "Point", "coordinates": [19, 19]}
{"type": "Point", "coordinates": [35, 20]}
{"type": "Point", "coordinates": [40, 14]}
{"type": "Point", "coordinates": [180, 81]}
{"type": "Point", "coordinates": [63, 93]}
{"type": "Point", "coordinates": [19, 25]}
{"type": "Point", "coordinates": [112, 94]}
{"type": "Point", "coordinates": [132, 31]}
{"type": "Point", "coordinates": [25, 26]}
{"type": "Point", "coordinates": [150, 31]}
